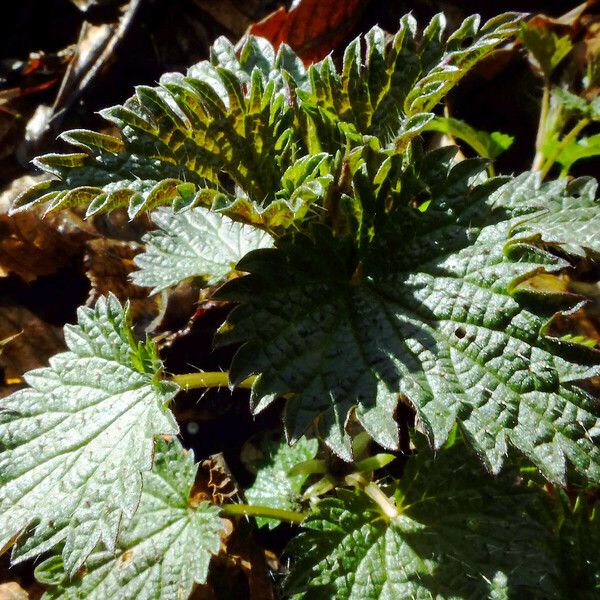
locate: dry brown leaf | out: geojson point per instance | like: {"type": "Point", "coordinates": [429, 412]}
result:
{"type": "Point", "coordinates": [233, 15]}
{"type": "Point", "coordinates": [94, 48]}
{"type": "Point", "coordinates": [30, 245]}
{"type": "Point", "coordinates": [240, 555]}
{"type": "Point", "coordinates": [27, 78]}
{"type": "Point", "coordinates": [108, 264]}
{"type": "Point", "coordinates": [221, 481]}
{"type": "Point", "coordinates": [12, 591]}
{"type": "Point", "coordinates": [312, 28]}
{"type": "Point", "coordinates": [569, 19]}
{"type": "Point", "coordinates": [33, 342]}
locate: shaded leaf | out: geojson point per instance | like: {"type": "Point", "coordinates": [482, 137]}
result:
{"type": "Point", "coordinates": [428, 308]}
{"type": "Point", "coordinates": [274, 486]}
{"type": "Point", "coordinates": [487, 145]}
{"type": "Point", "coordinates": [577, 546]}
{"type": "Point", "coordinates": [458, 534]}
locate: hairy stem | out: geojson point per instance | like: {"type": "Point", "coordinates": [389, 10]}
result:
{"type": "Point", "coordinates": [538, 160]}
{"type": "Point", "coordinates": [250, 510]}
{"type": "Point", "coordinates": [216, 379]}
{"type": "Point", "coordinates": [387, 505]}
{"type": "Point", "coordinates": [572, 135]}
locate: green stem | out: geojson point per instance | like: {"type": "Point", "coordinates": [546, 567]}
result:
{"type": "Point", "coordinates": [561, 145]}
{"type": "Point", "coordinates": [250, 510]}
{"type": "Point", "coordinates": [191, 381]}
{"type": "Point", "coordinates": [387, 505]}
{"type": "Point", "coordinates": [538, 160]}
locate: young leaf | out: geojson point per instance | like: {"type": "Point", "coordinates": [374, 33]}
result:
{"type": "Point", "coordinates": [74, 444]}
{"type": "Point", "coordinates": [399, 80]}
{"type": "Point", "coordinates": [274, 486]}
{"type": "Point", "coordinates": [193, 243]}
{"type": "Point", "coordinates": [186, 141]}
{"type": "Point", "coordinates": [459, 534]}
{"type": "Point", "coordinates": [160, 553]}
{"type": "Point", "coordinates": [429, 309]}
{"type": "Point", "coordinates": [226, 135]}
{"type": "Point", "coordinates": [568, 154]}
{"type": "Point", "coordinates": [546, 47]}
{"type": "Point", "coordinates": [487, 145]}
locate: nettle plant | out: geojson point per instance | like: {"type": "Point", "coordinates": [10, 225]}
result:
{"type": "Point", "coordinates": [372, 279]}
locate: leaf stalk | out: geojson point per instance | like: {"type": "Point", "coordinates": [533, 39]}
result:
{"type": "Point", "coordinates": [209, 379]}
{"type": "Point", "coordinates": [251, 510]}
{"type": "Point", "coordinates": [572, 135]}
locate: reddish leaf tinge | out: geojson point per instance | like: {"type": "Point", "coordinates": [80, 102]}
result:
{"type": "Point", "coordinates": [313, 28]}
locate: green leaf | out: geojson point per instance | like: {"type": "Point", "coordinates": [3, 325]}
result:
{"type": "Point", "coordinates": [74, 444]}
{"type": "Point", "coordinates": [428, 308]}
{"type": "Point", "coordinates": [459, 534]}
{"type": "Point", "coordinates": [579, 105]}
{"type": "Point", "coordinates": [232, 134]}
{"type": "Point", "coordinates": [573, 151]}
{"type": "Point", "coordinates": [274, 486]}
{"type": "Point", "coordinates": [566, 215]}
{"type": "Point", "coordinates": [577, 546]}
{"type": "Point", "coordinates": [487, 145]}
{"type": "Point", "coordinates": [546, 47]}
{"type": "Point", "coordinates": [193, 243]}
{"type": "Point", "coordinates": [224, 122]}
{"type": "Point", "coordinates": [161, 552]}
{"type": "Point", "coordinates": [396, 81]}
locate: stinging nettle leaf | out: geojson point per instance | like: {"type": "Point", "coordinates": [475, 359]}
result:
{"type": "Point", "coordinates": [564, 214]}
{"type": "Point", "coordinates": [226, 135]}
{"type": "Point", "coordinates": [74, 443]}
{"type": "Point", "coordinates": [193, 243]}
{"type": "Point", "coordinates": [161, 552]}
{"type": "Point", "coordinates": [274, 486]}
{"type": "Point", "coordinates": [459, 534]}
{"type": "Point", "coordinates": [429, 310]}
{"type": "Point", "coordinates": [227, 116]}
{"type": "Point", "coordinates": [397, 81]}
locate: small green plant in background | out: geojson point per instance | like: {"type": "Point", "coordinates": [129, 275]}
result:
{"type": "Point", "coordinates": [564, 115]}
{"type": "Point", "coordinates": [372, 276]}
